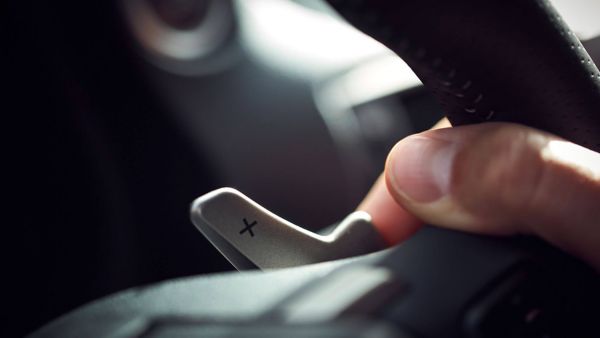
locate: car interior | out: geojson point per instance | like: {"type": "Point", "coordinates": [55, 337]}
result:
{"type": "Point", "coordinates": [123, 112]}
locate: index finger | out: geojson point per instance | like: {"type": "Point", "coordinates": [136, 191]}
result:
{"type": "Point", "coordinates": [393, 222]}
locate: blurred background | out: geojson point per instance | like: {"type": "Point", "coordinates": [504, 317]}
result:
{"type": "Point", "coordinates": [120, 113]}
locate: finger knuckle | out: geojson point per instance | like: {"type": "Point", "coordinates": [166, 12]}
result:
{"type": "Point", "coordinates": [501, 170]}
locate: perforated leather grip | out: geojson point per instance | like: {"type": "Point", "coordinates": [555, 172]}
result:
{"type": "Point", "coordinates": [493, 60]}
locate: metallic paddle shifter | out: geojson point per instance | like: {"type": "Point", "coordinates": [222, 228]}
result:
{"type": "Point", "coordinates": [250, 236]}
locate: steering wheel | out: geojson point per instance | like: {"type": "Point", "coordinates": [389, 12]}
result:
{"type": "Point", "coordinates": [513, 61]}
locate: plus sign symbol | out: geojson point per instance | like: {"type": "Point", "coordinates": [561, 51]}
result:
{"type": "Point", "coordinates": [248, 227]}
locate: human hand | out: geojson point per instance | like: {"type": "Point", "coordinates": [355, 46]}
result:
{"type": "Point", "coordinates": [492, 178]}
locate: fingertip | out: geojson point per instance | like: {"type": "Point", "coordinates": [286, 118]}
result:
{"type": "Point", "coordinates": [418, 174]}
{"type": "Point", "coordinates": [393, 222]}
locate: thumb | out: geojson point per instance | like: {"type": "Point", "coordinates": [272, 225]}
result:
{"type": "Point", "coordinates": [500, 178]}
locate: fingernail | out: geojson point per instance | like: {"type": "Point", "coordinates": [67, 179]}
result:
{"type": "Point", "coordinates": [420, 168]}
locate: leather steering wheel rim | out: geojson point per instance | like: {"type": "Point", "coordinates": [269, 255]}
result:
{"type": "Point", "coordinates": [512, 61]}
